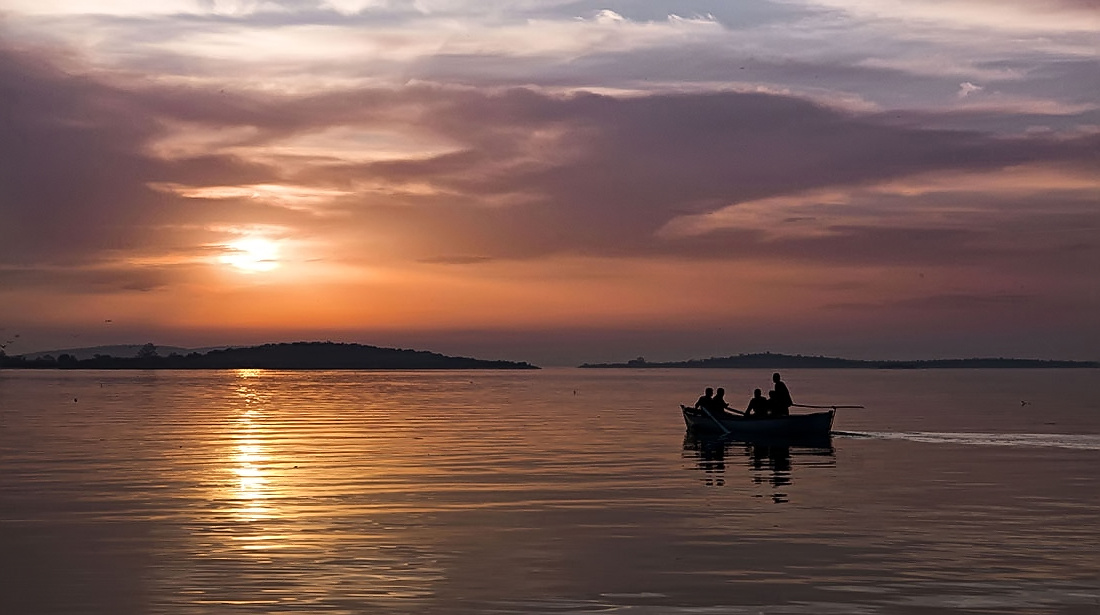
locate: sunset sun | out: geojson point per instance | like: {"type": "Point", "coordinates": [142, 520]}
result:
{"type": "Point", "coordinates": [251, 255]}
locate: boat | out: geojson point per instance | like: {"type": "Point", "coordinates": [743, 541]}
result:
{"type": "Point", "coordinates": [813, 424]}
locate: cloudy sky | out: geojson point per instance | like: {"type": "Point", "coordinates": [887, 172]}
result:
{"type": "Point", "coordinates": [554, 181]}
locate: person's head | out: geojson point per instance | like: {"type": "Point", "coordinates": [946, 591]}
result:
{"type": "Point", "coordinates": [757, 393]}
{"type": "Point", "coordinates": [771, 394]}
{"type": "Point", "coordinates": [721, 393]}
{"type": "Point", "coordinates": [775, 377]}
{"type": "Point", "coordinates": [709, 392]}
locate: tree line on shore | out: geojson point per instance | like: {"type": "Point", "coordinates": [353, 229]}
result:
{"type": "Point", "coordinates": [768, 360]}
{"type": "Point", "coordinates": [297, 355]}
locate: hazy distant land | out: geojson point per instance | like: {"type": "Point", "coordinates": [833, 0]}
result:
{"type": "Point", "coordinates": [332, 355]}
{"type": "Point", "coordinates": [297, 356]}
{"type": "Point", "coordinates": [767, 360]}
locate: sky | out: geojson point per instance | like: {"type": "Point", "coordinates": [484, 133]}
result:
{"type": "Point", "coordinates": [554, 181]}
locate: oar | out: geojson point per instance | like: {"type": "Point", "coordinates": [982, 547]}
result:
{"type": "Point", "coordinates": [824, 407]}
{"type": "Point", "coordinates": [716, 421]}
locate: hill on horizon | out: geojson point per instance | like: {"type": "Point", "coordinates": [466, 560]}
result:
{"type": "Point", "coordinates": [768, 360]}
{"type": "Point", "coordinates": [293, 355]}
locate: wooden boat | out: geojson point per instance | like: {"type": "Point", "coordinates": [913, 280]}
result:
{"type": "Point", "coordinates": [815, 423]}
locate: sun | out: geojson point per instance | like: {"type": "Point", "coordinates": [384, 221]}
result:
{"type": "Point", "coordinates": [252, 254]}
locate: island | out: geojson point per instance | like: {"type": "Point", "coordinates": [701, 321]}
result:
{"type": "Point", "coordinates": [768, 360]}
{"type": "Point", "coordinates": [288, 356]}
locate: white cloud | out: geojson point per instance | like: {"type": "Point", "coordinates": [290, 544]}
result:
{"type": "Point", "coordinates": [279, 195]}
{"type": "Point", "coordinates": [125, 8]}
{"type": "Point", "coordinates": [861, 51]}
{"type": "Point", "coordinates": [815, 213]}
{"type": "Point", "coordinates": [608, 17]}
{"type": "Point", "coordinates": [1005, 15]}
{"type": "Point", "coordinates": [100, 7]}
{"type": "Point", "coordinates": [966, 89]}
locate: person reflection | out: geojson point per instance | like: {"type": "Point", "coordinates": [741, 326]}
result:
{"type": "Point", "coordinates": [774, 459]}
{"type": "Point", "coordinates": [710, 457]}
{"type": "Point", "coordinates": [770, 461]}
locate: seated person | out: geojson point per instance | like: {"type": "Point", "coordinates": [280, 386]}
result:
{"type": "Point", "coordinates": [758, 406]}
{"type": "Point", "coordinates": [705, 401]}
{"type": "Point", "coordinates": [718, 405]}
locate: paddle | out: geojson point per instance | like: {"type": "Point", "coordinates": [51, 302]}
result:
{"type": "Point", "coordinates": [824, 407]}
{"type": "Point", "coordinates": [716, 421]}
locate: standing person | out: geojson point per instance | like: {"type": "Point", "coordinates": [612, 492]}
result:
{"type": "Point", "coordinates": [706, 400]}
{"type": "Point", "coordinates": [758, 406]}
{"type": "Point", "coordinates": [779, 398]}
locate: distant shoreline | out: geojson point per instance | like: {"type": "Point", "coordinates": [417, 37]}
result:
{"type": "Point", "coordinates": [769, 360]}
{"type": "Point", "coordinates": [316, 356]}
{"type": "Point", "coordinates": [302, 356]}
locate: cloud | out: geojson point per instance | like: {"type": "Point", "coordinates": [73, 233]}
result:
{"type": "Point", "coordinates": [947, 199]}
{"type": "Point", "coordinates": [1012, 15]}
{"type": "Point", "coordinates": [512, 173]}
{"type": "Point", "coordinates": [963, 301]}
{"type": "Point", "coordinates": [125, 194]}
{"type": "Point", "coordinates": [966, 89]}
{"type": "Point", "coordinates": [92, 278]}
{"type": "Point", "coordinates": [456, 260]}
{"type": "Point", "coordinates": [617, 170]}
{"type": "Point", "coordinates": [278, 195]}
{"type": "Point", "coordinates": [887, 56]}
{"type": "Point", "coordinates": [69, 151]}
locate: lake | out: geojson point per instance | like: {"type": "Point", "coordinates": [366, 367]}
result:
{"type": "Point", "coordinates": [555, 491]}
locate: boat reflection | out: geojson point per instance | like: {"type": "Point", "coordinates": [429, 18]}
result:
{"type": "Point", "coordinates": [769, 459]}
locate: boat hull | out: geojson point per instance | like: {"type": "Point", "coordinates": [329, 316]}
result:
{"type": "Point", "coordinates": [814, 424]}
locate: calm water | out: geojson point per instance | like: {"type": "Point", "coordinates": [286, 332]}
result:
{"type": "Point", "coordinates": [557, 491]}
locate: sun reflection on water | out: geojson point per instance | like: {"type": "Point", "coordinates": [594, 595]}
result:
{"type": "Point", "coordinates": [253, 494]}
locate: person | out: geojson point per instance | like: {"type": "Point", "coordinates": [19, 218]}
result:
{"type": "Point", "coordinates": [779, 398]}
{"type": "Point", "coordinates": [758, 406]}
{"type": "Point", "coordinates": [706, 399]}
{"type": "Point", "coordinates": [718, 405]}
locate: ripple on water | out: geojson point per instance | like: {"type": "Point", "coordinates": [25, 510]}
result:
{"type": "Point", "coordinates": [254, 491]}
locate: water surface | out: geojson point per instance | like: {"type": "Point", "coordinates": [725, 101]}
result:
{"type": "Point", "coordinates": [557, 491]}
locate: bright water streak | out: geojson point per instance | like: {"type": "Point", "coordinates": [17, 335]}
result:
{"type": "Point", "coordinates": [553, 491]}
{"type": "Point", "coordinates": [1072, 441]}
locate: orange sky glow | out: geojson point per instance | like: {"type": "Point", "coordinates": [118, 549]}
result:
{"type": "Point", "coordinates": [555, 183]}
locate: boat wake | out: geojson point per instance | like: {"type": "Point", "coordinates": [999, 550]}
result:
{"type": "Point", "coordinates": [1089, 442]}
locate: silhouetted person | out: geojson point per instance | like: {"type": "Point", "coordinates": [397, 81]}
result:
{"type": "Point", "coordinates": [704, 402]}
{"type": "Point", "coordinates": [758, 406]}
{"type": "Point", "coordinates": [779, 398]}
{"type": "Point", "coordinates": [718, 405]}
